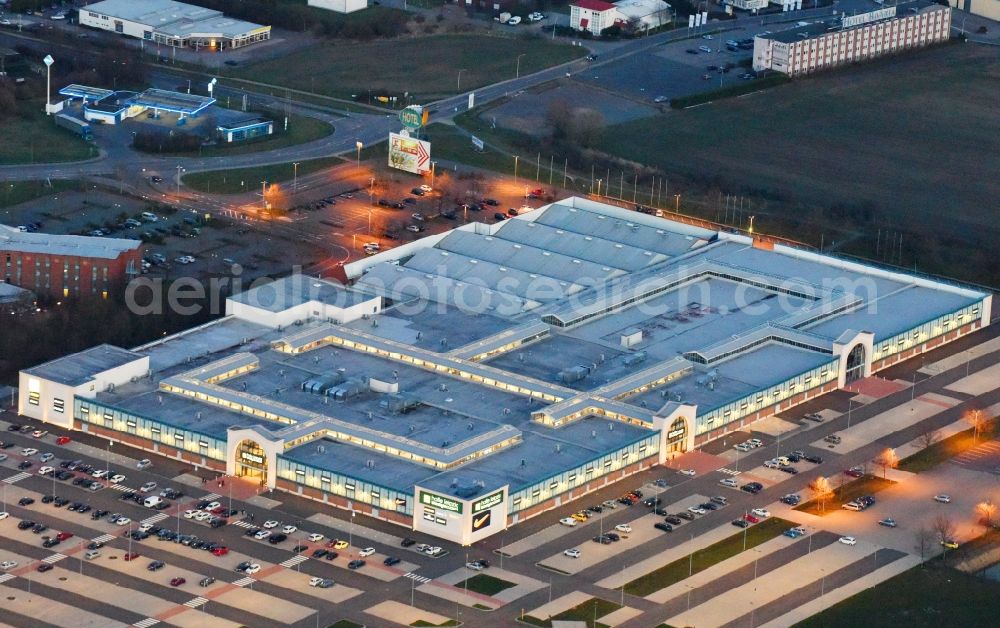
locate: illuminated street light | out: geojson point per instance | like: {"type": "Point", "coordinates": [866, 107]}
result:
{"type": "Point", "coordinates": [295, 177]}
{"type": "Point", "coordinates": [359, 145]}
{"type": "Point", "coordinates": [48, 60]}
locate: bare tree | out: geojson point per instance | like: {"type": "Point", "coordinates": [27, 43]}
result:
{"type": "Point", "coordinates": [943, 527]}
{"type": "Point", "coordinates": [977, 420]}
{"type": "Point", "coordinates": [887, 460]}
{"type": "Point", "coordinates": [924, 541]}
{"type": "Point", "coordinates": [986, 510]}
{"type": "Point", "coordinates": [821, 491]}
{"type": "Point", "coordinates": [928, 437]}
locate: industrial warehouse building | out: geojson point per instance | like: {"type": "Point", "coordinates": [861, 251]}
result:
{"type": "Point", "coordinates": [470, 380]}
{"type": "Point", "coordinates": [852, 38]}
{"type": "Point", "coordinates": [172, 24]}
{"type": "Point", "coordinates": [61, 266]}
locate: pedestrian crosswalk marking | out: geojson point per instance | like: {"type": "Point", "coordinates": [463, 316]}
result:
{"type": "Point", "coordinates": [17, 478]}
{"type": "Point", "coordinates": [120, 487]}
{"type": "Point", "coordinates": [196, 602]}
{"type": "Point", "coordinates": [243, 524]}
{"type": "Point", "coordinates": [5, 577]}
{"type": "Point", "coordinates": [211, 497]}
{"type": "Point", "coordinates": [294, 560]}
{"type": "Point", "coordinates": [242, 582]}
{"type": "Point", "coordinates": [729, 471]}
{"type": "Point", "coordinates": [160, 516]}
{"type": "Point", "coordinates": [418, 578]}
{"type": "Point", "coordinates": [146, 623]}
{"type": "Point", "coordinates": [55, 558]}
{"type": "Point", "coordinates": [104, 538]}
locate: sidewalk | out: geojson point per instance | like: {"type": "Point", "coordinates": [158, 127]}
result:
{"type": "Point", "coordinates": [820, 604]}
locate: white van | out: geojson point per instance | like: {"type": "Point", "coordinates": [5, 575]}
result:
{"type": "Point", "coordinates": [149, 217]}
{"type": "Point", "coordinates": [92, 554]}
{"type": "Point", "coordinates": [152, 501]}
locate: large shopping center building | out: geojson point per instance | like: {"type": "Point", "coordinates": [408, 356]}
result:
{"type": "Point", "coordinates": [472, 379]}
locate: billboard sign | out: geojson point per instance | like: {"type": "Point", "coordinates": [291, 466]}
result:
{"type": "Point", "coordinates": [482, 520]}
{"type": "Point", "coordinates": [872, 16]}
{"type": "Point", "coordinates": [487, 502]}
{"type": "Point", "coordinates": [440, 502]}
{"type": "Point", "coordinates": [409, 154]}
{"type": "Point", "coordinates": [413, 117]}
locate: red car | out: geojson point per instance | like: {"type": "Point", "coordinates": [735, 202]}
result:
{"type": "Point", "coordinates": [62, 536]}
{"type": "Point", "coordinates": [220, 551]}
{"type": "Point", "coordinates": [131, 556]}
{"type": "Point", "coordinates": [176, 582]}
{"type": "Point", "coordinates": [751, 518]}
{"type": "Point", "coordinates": [62, 440]}
{"type": "Point", "coordinates": [854, 472]}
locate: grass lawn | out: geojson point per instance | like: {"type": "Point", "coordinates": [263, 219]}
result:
{"type": "Point", "coordinates": [945, 449]}
{"type": "Point", "coordinates": [243, 179]}
{"type": "Point", "coordinates": [865, 485]}
{"type": "Point", "coordinates": [585, 612]}
{"type": "Point", "coordinates": [15, 192]}
{"type": "Point", "coordinates": [487, 585]}
{"type": "Point", "coordinates": [704, 558]}
{"type": "Point", "coordinates": [851, 153]}
{"type": "Point", "coordinates": [450, 622]}
{"type": "Point", "coordinates": [31, 137]}
{"type": "Point", "coordinates": [425, 66]}
{"type": "Point", "coordinates": [928, 596]}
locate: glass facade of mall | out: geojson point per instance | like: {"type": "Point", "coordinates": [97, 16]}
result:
{"type": "Point", "coordinates": [927, 331]}
{"type": "Point", "coordinates": [539, 492]}
{"type": "Point", "coordinates": [111, 418]}
{"type": "Point", "coordinates": [345, 486]}
{"type": "Point", "coordinates": [764, 398]}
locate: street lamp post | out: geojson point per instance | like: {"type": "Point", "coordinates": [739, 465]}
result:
{"type": "Point", "coordinates": [180, 169]}
{"type": "Point", "coordinates": [433, 172]}
{"type": "Point", "coordinates": [359, 145]}
{"type": "Point", "coordinates": [263, 194]}
{"type": "Point", "coordinates": [517, 72]}
{"type": "Point", "coordinates": [295, 177]}
{"type": "Point", "coordinates": [458, 87]}
{"type": "Point", "coordinates": [677, 203]}
{"type": "Point", "coordinates": [48, 60]}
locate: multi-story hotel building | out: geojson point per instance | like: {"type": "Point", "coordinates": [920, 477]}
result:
{"type": "Point", "coordinates": [852, 38]}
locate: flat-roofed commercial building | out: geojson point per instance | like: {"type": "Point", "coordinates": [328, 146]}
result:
{"type": "Point", "coordinates": [64, 266]}
{"type": "Point", "coordinates": [852, 38]}
{"type": "Point", "coordinates": [473, 379]}
{"type": "Point", "coordinates": [172, 24]}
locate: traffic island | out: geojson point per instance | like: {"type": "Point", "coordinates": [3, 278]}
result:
{"type": "Point", "coordinates": [842, 494]}
{"type": "Point", "coordinates": [704, 558]}
{"type": "Point", "coordinates": [590, 610]}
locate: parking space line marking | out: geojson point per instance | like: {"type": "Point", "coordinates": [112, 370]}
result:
{"type": "Point", "coordinates": [242, 582]}
{"type": "Point", "coordinates": [7, 576]}
{"type": "Point", "coordinates": [196, 602]}
{"type": "Point", "coordinates": [17, 478]}
{"type": "Point", "coordinates": [55, 558]}
{"type": "Point", "coordinates": [294, 560]}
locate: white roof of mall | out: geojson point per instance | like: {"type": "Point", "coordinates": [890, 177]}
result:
{"type": "Point", "coordinates": [12, 239]}
{"type": "Point", "coordinates": [173, 18]}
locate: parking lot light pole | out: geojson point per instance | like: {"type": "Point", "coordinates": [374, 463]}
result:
{"type": "Point", "coordinates": [359, 145]}
{"type": "Point", "coordinates": [517, 72]}
{"type": "Point", "coordinates": [295, 177]}
{"type": "Point", "coordinates": [458, 87]}
{"type": "Point", "coordinates": [180, 169]}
